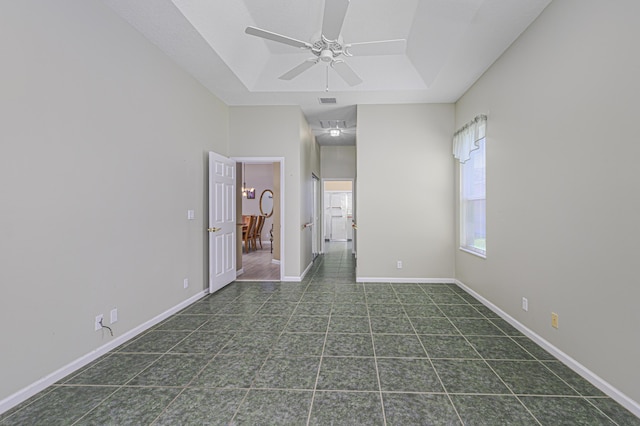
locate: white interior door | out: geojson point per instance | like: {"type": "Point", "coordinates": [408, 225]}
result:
{"type": "Point", "coordinates": [222, 221]}
{"type": "Point", "coordinates": [338, 216]}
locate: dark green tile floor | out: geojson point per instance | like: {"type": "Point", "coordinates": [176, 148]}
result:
{"type": "Point", "coordinates": [327, 351]}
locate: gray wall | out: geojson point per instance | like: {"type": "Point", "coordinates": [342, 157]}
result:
{"type": "Point", "coordinates": [338, 162]}
{"type": "Point", "coordinates": [562, 192]}
{"type": "Point", "coordinates": [281, 131]}
{"type": "Point", "coordinates": [102, 154]}
{"type": "Point", "coordinates": [404, 192]}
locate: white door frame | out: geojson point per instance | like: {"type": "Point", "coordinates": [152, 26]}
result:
{"type": "Point", "coordinates": [262, 160]}
{"type": "Point", "coordinates": [317, 237]}
{"type": "Point", "coordinates": [353, 206]}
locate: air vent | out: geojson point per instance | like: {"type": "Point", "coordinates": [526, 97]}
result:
{"type": "Point", "coordinates": [333, 124]}
{"type": "Point", "coordinates": [328, 100]}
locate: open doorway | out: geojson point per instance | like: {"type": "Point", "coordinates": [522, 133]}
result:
{"type": "Point", "coordinates": [338, 210]}
{"type": "Point", "coordinates": [259, 217]}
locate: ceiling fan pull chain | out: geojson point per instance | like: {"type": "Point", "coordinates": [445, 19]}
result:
{"type": "Point", "coordinates": [327, 87]}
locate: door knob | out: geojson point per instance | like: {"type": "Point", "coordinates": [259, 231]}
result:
{"type": "Point", "coordinates": [213, 229]}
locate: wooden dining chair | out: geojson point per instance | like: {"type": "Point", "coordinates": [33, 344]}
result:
{"type": "Point", "coordinates": [257, 234]}
{"type": "Point", "coordinates": [247, 232]}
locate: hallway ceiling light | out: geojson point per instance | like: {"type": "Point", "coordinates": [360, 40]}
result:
{"type": "Point", "coordinates": [334, 132]}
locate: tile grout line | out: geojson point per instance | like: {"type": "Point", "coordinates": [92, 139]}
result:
{"type": "Point", "coordinates": [455, 409]}
{"type": "Point", "coordinates": [315, 385]}
{"type": "Point", "coordinates": [188, 385]}
{"type": "Point", "coordinates": [214, 357]}
{"type": "Point", "coordinates": [268, 354]}
{"type": "Point", "coordinates": [490, 367]}
{"type": "Point", "coordinates": [375, 358]}
{"type": "Point", "coordinates": [324, 344]}
{"type": "Point", "coordinates": [123, 385]}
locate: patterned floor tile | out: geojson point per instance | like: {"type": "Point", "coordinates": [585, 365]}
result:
{"type": "Point", "coordinates": [398, 346]}
{"type": "Point", "coordinates": [346, 409]}
{"type": "Point", "coordinates": [288, 373]}
{"type": "Point", "coordinates": [197, 406]}
{"type": "Point", "coordinates": [408, 409]}
{"type": "Point", "coordinates": [408, 375]}
{"type": "Point", "coordinates": [493, 410]}
{"type": "Point", "coordinates": [274, 407]}
{"type": "Point", "coordinates": [131, 406]}
{"type": "Point", "coordinates": [348, 374]}
{"type": "Point", "coordinates": [565, 411]}
{"type": "Point", "coordinates": [468, 376]}
{"type": "Point", "coordinates": [530, 378]}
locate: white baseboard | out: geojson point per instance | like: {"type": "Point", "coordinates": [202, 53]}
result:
{"type": "Point", "coordinates": [583, 371]}
{"type": "Point", "coordinates": [275, 261]}
{"type": "Point", "coordinates": [291, 279]}
{"type": "Point", "coordinates": [32, 389]}
{"type": "Point", "coordinates": [406, 280]}
{"type": "Point", "coordinates": [240, 271]}
{"type": "Point", "coordinates": [306, 271]}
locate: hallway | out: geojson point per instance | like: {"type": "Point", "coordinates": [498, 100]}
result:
{"type": "Point", "coordinates": [326, 351]}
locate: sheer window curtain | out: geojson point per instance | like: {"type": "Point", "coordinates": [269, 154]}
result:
{"type": "Point", "coordinates": [468, 137]}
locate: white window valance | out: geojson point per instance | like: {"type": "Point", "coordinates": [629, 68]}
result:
{"type": "Point", "coordinates": [466, 139]}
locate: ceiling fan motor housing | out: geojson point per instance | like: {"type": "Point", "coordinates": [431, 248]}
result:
{"type": "Point", "coordinates": [326, 55]}
{"type": "Point", "coordinates": [327, 50]}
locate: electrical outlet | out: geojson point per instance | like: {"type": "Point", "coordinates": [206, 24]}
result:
{"type": "Point", "coordinates": [185, 283]}
{"type": "Point", "coordinates": [399, 264]}
{"type": "Point", "coordinates": [98, 324]}
{"type": "Point", "coordinates": [114, 315]}
{"type": "Point", "coordinates": [554, 320]}
{"type": "Point", "coordinates": [525, 304]}
{"type": "Point", "coordinates": [191, 214]}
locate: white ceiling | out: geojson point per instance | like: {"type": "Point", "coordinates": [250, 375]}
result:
{"type": "Point", "coordinates": [450, 43]}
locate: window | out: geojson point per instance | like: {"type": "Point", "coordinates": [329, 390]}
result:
{"type": "Point", "coordinates": [473, 200]}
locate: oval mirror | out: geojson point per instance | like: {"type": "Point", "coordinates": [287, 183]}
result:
{"type": "Point", "coordinates": [266, 202]}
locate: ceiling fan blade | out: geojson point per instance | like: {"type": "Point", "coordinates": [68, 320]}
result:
{"type": "Point", "coordinates": [294, 72]}
{"type": "Point", "coordinates": [382, 47]}
{"type": "Point", "coordinates": [347, 74]}
{"type": "Point", "coordinates": [277, 37]}
{"type": "Point", "coordinates": [334, 13]}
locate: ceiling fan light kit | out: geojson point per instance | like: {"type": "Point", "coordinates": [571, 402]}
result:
{"type": "Point", "coordinates": [330, 46]}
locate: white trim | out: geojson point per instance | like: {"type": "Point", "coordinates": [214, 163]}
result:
{"type": "Point", "coordinates": [301, 277]}
{"type": "Point", "coordinates": [239, 272]}
{"type": "Point", "coordinates": [275, 261]}
{"type": "Point", "coordinates": [583, 371]}
{"type": "Point", "coordinates": [475, 253]}
{"type": "Point", "coordinates": [306, 271]}
{"type": "Point", "coordinates": [43, 383]}
{"type": "Point", "coordinates": [291, 278]}
{"type": "Point", "coordinates": [406, 280]}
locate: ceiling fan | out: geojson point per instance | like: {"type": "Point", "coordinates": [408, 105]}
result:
{"type": "Point", "coordinates": [329, 47]}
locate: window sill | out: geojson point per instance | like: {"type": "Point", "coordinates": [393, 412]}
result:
{"type": "Point", "coordinates": [475, 253]}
